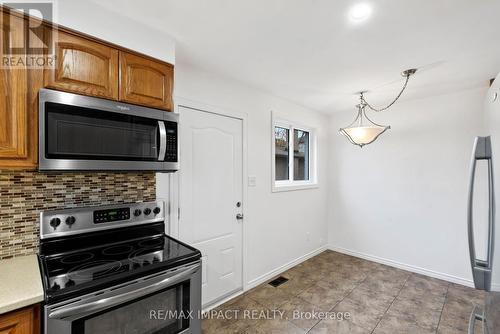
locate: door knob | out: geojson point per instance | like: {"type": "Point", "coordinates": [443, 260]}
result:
{"type": "Point", "coordinates": [239, 216]}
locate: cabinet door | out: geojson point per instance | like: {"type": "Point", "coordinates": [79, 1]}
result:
{"type": "Point", "coordinates": [83, 66]}
{"type": "Point", "coordinates": [146, 82]}
{"type": "Point", "coordinates": [24, 321]}
{"type": "Point", "coordinates": [13, 95]}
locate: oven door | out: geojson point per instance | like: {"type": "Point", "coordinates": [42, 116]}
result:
{"type": "Point", "coordinates": [85, 133]}
{"type": "Point", "coordinates": [165, 303]}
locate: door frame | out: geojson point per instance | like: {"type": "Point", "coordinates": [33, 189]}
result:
{"type": "Point", "coordinates": [175, 179]}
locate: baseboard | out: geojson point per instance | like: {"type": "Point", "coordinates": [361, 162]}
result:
{"type": "Point", "coordinates": [261, 279]}
{"type": "Point", "coordinates": [408, 267]}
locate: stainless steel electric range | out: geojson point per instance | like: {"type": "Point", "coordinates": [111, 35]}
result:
{"type": "Point", "coordinates": [112, 269]}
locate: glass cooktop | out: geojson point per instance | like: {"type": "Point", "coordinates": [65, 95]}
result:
{"type": "Point", "coordinates": [94, 266]}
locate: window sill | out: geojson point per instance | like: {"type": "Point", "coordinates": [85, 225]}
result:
{"type": "Point", "coordinates": [293, 187]}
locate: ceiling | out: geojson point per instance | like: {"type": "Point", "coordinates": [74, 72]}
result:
{"type": "Point", "coordinates": [309, 51]}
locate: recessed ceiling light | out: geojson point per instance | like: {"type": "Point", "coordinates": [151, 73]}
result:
{"type": "Point", "coordinates": [360, 12]}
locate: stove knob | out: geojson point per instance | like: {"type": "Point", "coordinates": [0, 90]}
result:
{"type": "Point", "coordinates": [146, 263]}
{"type": "Point", "coordinates": [55, 222]}
{"type": "Point", "coordinates": [156, 259]}
{"type": "Point", "coordinates": [156, 210]}
{"type": "Point", "coordinates": [55, 286]}
{"type": "Point", "coordinates": [70, 220]}
{"type": "Point", "coordinates": [137, 212]}
{"type": "Point", "coordinates": [147, 211]}
{"type": "Point", "coordinates": [136, 265]}
{"type": "Point", "coordinates": [69, 283]}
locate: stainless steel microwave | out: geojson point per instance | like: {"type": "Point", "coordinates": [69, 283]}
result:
{"type": "Point", "coordinates": [86, 133]}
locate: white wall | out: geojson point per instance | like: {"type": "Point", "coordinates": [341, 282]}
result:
{"type": "Point", "coordinates": [93, 19]}
{"type": "Point", "coordinates": [403, 198]}
{"type": "Point", "coordinates": [276, 223]}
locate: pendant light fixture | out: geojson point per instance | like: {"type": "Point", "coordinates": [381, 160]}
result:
{"type": "Point", "coordinates": [363, 131]}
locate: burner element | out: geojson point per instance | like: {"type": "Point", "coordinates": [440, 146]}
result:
{"type": "Point", "coordinates": [93, 270]}
{"type": "Point", "coordinates": [116, 250]}
{"type": "Point", "coordinates": [77, 258]}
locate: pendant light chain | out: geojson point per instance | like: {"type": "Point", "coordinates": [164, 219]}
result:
{"type": "Point", "coordinates": [408, 74]}
{"type": "Point", "coordinates": [363, 131]}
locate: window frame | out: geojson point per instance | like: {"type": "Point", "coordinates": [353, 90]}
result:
{"type": "Point", "coordinates": [291, 184]}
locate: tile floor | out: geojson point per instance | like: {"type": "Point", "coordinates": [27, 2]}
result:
{"type": "Point", "coordinates": [373, 298]}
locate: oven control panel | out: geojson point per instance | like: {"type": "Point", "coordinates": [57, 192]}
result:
{"type": "Point", "coordinates": [111, 215]}
{"type": "Point", "coordinates": [59, 223]}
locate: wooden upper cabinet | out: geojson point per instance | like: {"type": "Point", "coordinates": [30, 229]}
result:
{"type": "Point", "coordinates": [145, 81]}
{"type": "Point", "coordinates": [83, 66]}
{"type": "Point", "coordinates": [23, 321]}
{"type": "Point", "coordinates": [14, 123]}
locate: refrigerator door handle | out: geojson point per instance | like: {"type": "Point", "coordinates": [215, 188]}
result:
{"type": "Point", "coordinates": [481, 269]}
{"type": "Point", "coordinates": [477, 314]}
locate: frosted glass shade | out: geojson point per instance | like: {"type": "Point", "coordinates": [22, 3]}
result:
{"type": "Point", "coordinates": [363, 135]}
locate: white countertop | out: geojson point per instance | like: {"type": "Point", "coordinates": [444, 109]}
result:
{"type": "Point", "coordinates": [20, 283]}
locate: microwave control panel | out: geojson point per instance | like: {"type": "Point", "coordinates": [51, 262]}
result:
{"type": "Point", "coordinates": [171, 151]}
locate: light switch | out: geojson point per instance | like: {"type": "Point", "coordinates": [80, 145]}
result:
{"type": "Point", "coordinates": [252, 181]}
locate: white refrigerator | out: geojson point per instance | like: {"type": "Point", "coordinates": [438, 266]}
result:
{"type": "Point", "coordinates": [486, 267]}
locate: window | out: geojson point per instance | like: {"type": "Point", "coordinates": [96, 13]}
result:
{"type": "Point", "coordinates": [293, 156]}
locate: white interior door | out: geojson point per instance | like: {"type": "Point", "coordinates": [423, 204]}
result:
{"type": "Point", "coordinates": [211, 176]}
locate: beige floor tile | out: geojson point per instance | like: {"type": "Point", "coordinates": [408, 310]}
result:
{"type": "Point", "coordinates": [352, 274]}
{"type": "Point", "coordinates": [301, 313]}
{"type": "Point", "coordinates": [269, 296]}
{"type": "Point", "coordinates": [360, 314]}
{"type": "Point", "coordinates": [296, 273]}
{"type": "Point", "coordinates": [330, 326]}
{"type": "Point", "coordinates": [427, 285]}
{"type": "Point", "coordinates": [423, 314]}
{"type": "Point", "coordinates": [275, 326]}
{"type": "Point", "coordinates": [385, 287]}
{"type": "Point", "coordinates": [429, 296]}
{"type": "Point", "coordinates": [340, 284]}
{"type": "Point", "coordinates": [476, 297]}
{"type": "Point", "coordinates": [369, 298]}
{"type": "Point", "coordinates": [392, 324]}
{"type": "Point", "coordinates": [456, 313]}
{"type": "Point", "coordinates": [451, 330]}
{"type": "Point", "coordinates": [322, 297]}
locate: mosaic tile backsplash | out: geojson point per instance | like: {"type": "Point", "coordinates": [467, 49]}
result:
{"type": "Point", "coordinates": [23, 194]}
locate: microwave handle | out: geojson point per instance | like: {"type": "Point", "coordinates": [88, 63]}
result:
{"type": "Point", "coordinates": [163, 140]}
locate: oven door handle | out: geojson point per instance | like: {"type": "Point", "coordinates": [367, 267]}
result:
{"type": "Point", "coordinates": [163, 140]}
{"type": "Point", "coordinates": [103, 303]}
